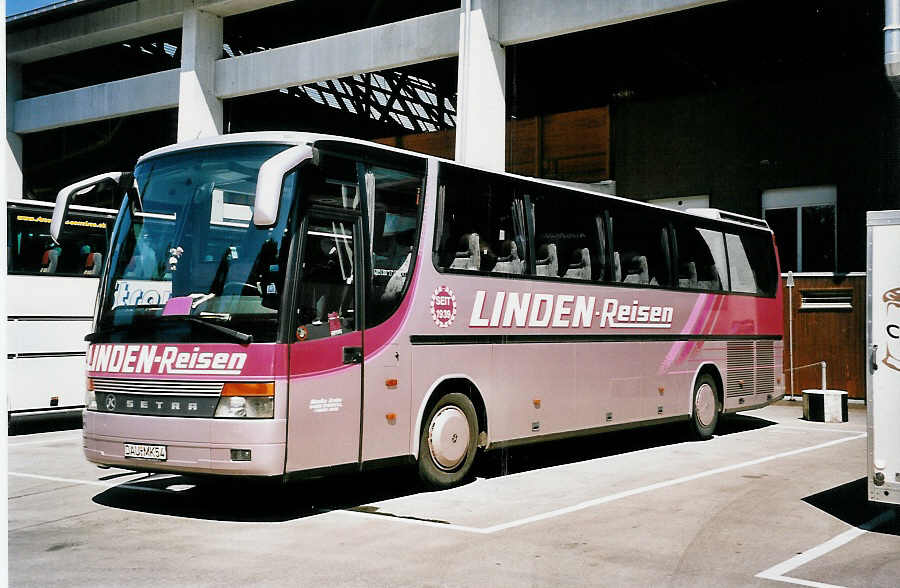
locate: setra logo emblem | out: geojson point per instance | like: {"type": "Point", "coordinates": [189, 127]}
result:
{"type": "Point", "coordinates": [110, 402]}
{"type": "Point", "coordinates": [443, 306]}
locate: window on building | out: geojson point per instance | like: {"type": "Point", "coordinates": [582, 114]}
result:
{"type": "Point", "coordinates": [804, 222]}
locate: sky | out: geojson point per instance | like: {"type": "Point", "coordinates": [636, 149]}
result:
{"type": "Point", "coordinates": [20, 6]}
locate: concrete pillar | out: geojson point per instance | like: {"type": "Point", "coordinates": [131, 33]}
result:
{"type": "Point", "coordinates": [199, 111]}
{"type": "Point", "coordinates": [481, 89]}
{"type": "Point", "coordinates": [12, 159]}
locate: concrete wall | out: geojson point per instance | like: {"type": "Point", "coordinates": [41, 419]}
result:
{"type": "Point", "coordinates": [477, 32]}
{"type": "Point", "coordinates": [733, 145]}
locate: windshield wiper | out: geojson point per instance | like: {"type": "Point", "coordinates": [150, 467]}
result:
{"type": "Point", "coordinates": [239, 336]}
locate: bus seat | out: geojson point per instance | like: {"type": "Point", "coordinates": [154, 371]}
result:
{"type": "Point", "coordinates": [468, 255]}
{"type": "Point", "coordinates": [687, 277]}
{"type": "Point", "coordinates": [508, 262]}
{"type": "Point", "coordinates": [49, 261]}
{"type": "Point", "coordinates": [394, 286]}
{"type": "Point", "coordinates": [580, 266]}
{"type": "Point", "coordinates": [93, 263]}
{"type": "Point", "coordinates": [713, 283]}
{"type": "Point", "coordinates": [636, 270]}
{"type": "Point", "coordinates": [546, 263]}
{"type": "Point", "coordinates": [617, 267]}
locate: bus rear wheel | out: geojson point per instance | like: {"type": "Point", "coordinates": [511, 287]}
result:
{"type": "Point", "coordinates": [448, 441]}
{"type": "Point", "coordinates": [705, 407]}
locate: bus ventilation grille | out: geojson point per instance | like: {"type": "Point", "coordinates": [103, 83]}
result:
{"type": "Point", "coordinates": [182, 387]}
{"type": "Point", "coordinates": [740, 368]}
{"type": "Point", "coordinates": [765, 367]}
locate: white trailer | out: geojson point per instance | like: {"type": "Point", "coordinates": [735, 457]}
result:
{"type": "Point", "coordinates": [883, 343]}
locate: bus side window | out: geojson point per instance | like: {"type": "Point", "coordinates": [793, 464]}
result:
{"type": "Point", "coordinates": [31, 251]}
{"type": "Point", "coordinates": [326, 305]}
{"type": "Point", "coordinates": [394, 222]}
{"type": "Point", "coordinates": [712, 273]}
{"type": "Point", "coordinates": [640, 246]}
{"type": "Point", "coordinates": [696, 264]}
{"type": "Point", "coordinates": [481, 225]}
{"type": "Point", "coordinates": [570, 240]}
{"type": "Point", "coordinates": [760, 250]}
{"type": "Point", "coordinates": [751, 263]}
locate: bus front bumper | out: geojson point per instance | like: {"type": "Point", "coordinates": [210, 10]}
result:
{"type": "Point", "coordinates": [199, 446]}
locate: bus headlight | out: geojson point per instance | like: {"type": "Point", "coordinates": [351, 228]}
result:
{"type": "Point", "coordinates": [240, 400]}
{"type": "Point", "coordinates": [90, 399]}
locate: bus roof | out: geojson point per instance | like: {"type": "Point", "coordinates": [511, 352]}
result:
{"type": "Point", "coordinates": [307, 138]}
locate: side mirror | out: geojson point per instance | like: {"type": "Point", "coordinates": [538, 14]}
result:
{"type": "Point", "coordinates": [270, 181]}
{"type": "Point", "coordinates": [64, 198]}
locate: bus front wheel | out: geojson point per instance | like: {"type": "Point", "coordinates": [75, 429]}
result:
{"type": "Point", "coordinates": [448, 441]}
{"type": "Point", "coordinates": [705, 407]}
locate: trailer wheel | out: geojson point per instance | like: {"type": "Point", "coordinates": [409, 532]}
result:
{"type": "Point", "coordinates": [448, 441]}
{"type": "Point", "coordinates": [705, 407]}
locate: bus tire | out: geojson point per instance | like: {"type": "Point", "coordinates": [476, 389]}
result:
{"type": "Point", "coordinates": [448, 441]}
{"type": "Point", "coordinates": [705, 407]}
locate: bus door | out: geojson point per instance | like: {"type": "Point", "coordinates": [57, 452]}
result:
{"type": "Point", "coordinates": [326, 353]}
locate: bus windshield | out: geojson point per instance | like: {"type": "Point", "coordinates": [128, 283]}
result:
{"type": "Point", "coordinates": [191, 266]}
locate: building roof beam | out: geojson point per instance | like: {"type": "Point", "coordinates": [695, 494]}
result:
{"type": "Point", "coordinates": [113, 25]}
{"type": "Point", "coordinates": [156, 91]}
{"type": "Point", "coordinates": [522, 21]}
{"type": "Point", "coordinates": [416, 40]}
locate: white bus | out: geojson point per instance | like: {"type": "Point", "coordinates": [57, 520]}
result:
{"type": "Point", "coordinates": [50, 295]}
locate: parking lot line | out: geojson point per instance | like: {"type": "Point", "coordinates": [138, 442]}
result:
{"type": "Point", "coordinates": [47, 440]}
{"type": "Point", "coordinates": [814, 428]}
{"type": "Point", "coordinates": [611, 497]}
{"type": "Point", "coordinates": [778, 571]}
{"type": "Point", "coordinates": [100, 483]}
{"type": "Point", "coordinates": [65, 480]}
{"type": "Point", "coordinates": [523, 521]}
{"type": "Point", "coordinates": [675, 481]}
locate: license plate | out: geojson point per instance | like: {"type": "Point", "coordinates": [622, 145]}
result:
{"type": "Point", "coordinates": [141, 451]}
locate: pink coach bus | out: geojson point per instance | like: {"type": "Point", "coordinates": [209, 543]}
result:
{"type": "Point", "coordinates": [288, 304]}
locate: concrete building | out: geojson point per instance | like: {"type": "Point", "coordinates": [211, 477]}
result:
{"type": "Point", "coordinates": [786, 111]}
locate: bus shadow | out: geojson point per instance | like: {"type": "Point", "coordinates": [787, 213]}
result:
{"type": "Point", "coordinates": [584, 448]}
{"type": "Point", "coordinates": [850, 503]}
{"type": "Point", "coordinates": [44, 423]}
{"type": "Point", "coordinates": [254, 501]}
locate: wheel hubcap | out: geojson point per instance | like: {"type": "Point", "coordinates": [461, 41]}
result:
{"type": "Point", "coordinates": [705, 405]}
{"type": "Point", "coordinates": [448, 437]}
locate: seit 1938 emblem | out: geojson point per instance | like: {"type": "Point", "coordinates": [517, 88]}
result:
{"type": "Point", "coordinates": [443, 306]}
